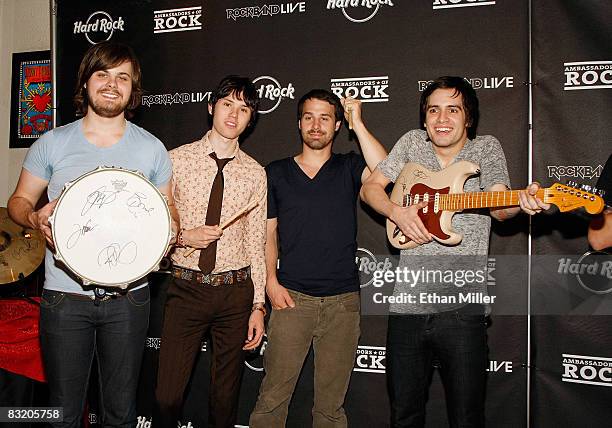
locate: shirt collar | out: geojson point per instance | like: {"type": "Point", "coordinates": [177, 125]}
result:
{"type": "Point", "coordinates": [208, 148]}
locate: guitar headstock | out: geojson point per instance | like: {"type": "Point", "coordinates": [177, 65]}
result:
{"type": "Point", "coordinates": [568, 198]}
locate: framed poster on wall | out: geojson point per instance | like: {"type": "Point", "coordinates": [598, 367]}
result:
{"type": "Point", "coordinates": [31, 97]}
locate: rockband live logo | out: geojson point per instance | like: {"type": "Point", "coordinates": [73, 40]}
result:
{"type": "Point", "coordinates": [494, 82]}
{"type": "Point", "coordinates": [266, 10]}
{"type": "Point", "coordinates": [449, 4]}
{"type": "Point", "coordinates": [560, 172]}
{"type": "Point", "coordinates": [176, 98]}
{"type": "Point", "coordinates": [367, 264]}
{"type": "Point", "coordinates": [366, 89]}
{"type": "Point", "coordinates": [587, 75]}
{"type": "Point", "coordinates": [500, 366]}
{"type": "Point", "coordinates": [271, 93]}
{"type": "Point", "coordinates": [99, 27]}
{"type": "Point", "coordinates": [587, 370]}
{"type": "Point", "coordinates": [358, 10]}
{"type": "Point", "coordinates": [183, 19]}
{"type": "Point", "coordinates": [370, 359]}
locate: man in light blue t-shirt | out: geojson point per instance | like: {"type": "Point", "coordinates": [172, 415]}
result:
{"type": "Point", "coordinates": [75, 322]}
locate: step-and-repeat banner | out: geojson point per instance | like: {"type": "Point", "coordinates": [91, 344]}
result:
{"type": "Point", "coordinates": [384, 52]}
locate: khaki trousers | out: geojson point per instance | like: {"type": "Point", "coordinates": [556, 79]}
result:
{"type": "Point", "coordinates": [331, 325]}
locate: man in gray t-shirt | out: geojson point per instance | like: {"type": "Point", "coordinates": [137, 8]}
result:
{"type": "Point", "coordinates": [438, 326]}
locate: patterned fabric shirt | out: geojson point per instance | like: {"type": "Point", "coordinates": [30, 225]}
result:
{"type": "Point", "coordinates": [243, 242]}
{"type": "Point", "coordinates": [431, 259]}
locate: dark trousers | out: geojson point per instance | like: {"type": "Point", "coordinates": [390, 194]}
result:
{"type": "Point", "coordinates": [193, 310]}
{"type": "Point", "coordinates": [457, 340]}
{"type": "Point", "coordinates": [72, 330]}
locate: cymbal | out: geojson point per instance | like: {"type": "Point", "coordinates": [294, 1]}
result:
{"type": "Point", "coordinates": [21, 250]}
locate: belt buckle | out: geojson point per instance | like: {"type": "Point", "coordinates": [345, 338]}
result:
{"type": "Point", "coordinates": [101, 295]}
{"type": "Point", "coordinates": [186, 274]}
{"type": "Point", "coordinates": [242, 274]}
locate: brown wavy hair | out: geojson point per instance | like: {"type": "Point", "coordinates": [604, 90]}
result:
{"type": "Point", "coordinates": [103, 56]}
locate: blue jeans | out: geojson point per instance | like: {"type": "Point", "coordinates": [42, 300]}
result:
{"type": "Point", "coordinates": [72, 330]}
{"type": "Point", "coordinates": [457, 342]}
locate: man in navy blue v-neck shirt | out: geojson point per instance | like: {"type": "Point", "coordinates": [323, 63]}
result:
{"type": "Point", "coordinates": [312, 227]}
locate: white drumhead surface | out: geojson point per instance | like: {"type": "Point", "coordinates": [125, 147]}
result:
{"type": "Point", "coordinates": [111, 227]}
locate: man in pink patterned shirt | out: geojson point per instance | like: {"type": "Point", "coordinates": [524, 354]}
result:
{"type": "Point", "coordinates": [226, 296]}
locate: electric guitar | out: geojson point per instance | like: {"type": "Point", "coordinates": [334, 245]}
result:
{"type": "Point", "coordinates": [443, 192]}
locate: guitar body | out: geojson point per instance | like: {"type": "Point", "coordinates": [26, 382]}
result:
{"type": "Point", "coordinates": [443, 191]}
{"type": "Point", "coordinates": [418, 180]}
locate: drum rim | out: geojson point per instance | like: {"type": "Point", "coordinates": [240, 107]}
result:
{"type": "Point", "coordinates": [60, 257]}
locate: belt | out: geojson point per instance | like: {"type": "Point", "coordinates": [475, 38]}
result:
{"type": "Point", "coordinates": [100, 295]}
{"type": "Point", "coordinates": [214, 279]}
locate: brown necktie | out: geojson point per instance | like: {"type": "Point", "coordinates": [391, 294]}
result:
{"type": "Point", "coordinates": [208, 255]}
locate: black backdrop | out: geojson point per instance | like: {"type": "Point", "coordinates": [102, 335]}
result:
{"type": "Point", "coordinates": [515, 53]}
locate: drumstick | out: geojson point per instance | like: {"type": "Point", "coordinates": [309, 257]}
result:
{"type": "Point", "coordinates": [350, 116]}
{"type": "Point", "coordinates": [248, 207]}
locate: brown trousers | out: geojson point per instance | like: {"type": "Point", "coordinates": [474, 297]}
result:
{"type": "Point", "coordinates": [331, 325]}
{"type": "Point", "coordinates": [192, 310]}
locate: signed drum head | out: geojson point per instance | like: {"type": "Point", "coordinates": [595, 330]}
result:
{"type": "Point", "coordinates": [111, 227]}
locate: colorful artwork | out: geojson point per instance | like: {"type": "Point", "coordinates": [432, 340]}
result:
{"type": "Point", "coordinates": [32, 98]}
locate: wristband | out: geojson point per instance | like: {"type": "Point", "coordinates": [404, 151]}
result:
{"type": "Point", "coordinates": [259, 308]}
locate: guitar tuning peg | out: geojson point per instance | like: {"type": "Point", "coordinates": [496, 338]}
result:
{"type": "Point", "coordinates": [571, 183]}
{"type": "Point", "coordinates": [601, 192]}
{"type": "Point", "coordinates": [586, 187]}
{"type": "Point", "coordinates": [594, 190]}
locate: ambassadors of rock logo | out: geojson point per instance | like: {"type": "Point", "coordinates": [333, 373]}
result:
{"type": "Point", "coordinates": [358, 10]}
{"type": "Point", "coordinates": [587, 75]}
{"type": "Point", "coordinates": [587, 370]}
{"type": "Point", "coordinates": [365, 89]}
{"type": "Point", "coordinates": [172, 20]}
{"type": "Point", "coordinates": [370, 359]}
{"type": "Point", "coordinates": [99, 27]}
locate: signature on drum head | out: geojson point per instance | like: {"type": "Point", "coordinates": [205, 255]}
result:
{"type": "Point", "coordinates": [136, 202]}
{"type": "Point", "coordinates": [115, 254]}
{"type": "Point", "coordinates": [78, 232]}
{"type": "Point", "coordinates": [98, 198]}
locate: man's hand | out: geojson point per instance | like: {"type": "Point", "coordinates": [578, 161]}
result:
{"type": "Point", "coordinates": [279, 296]}
{"type": "Point", "coordinates": [529, 203]}
{"type": "Point", "coordinates": [255, 331]}
{"type": "Point", "coordinates": [409, 222]}
{"type": "Point", "coordinates": [40, 220]}
{"type": "Point", "coordinates": [352, 110]}
{"type": "Point", "coordinates": [202, 236]}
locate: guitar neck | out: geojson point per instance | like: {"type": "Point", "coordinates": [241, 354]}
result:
{"type": "Point", "coordinates": [475, 200]}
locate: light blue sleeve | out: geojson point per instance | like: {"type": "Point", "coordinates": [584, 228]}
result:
{"type": "Point", "coordinates": [38, 159]}
{"type": "Point", "coordinates": [163, 166]}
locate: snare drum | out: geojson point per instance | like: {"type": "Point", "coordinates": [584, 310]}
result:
{"type": "Point", "coordinates": [111, 227]}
